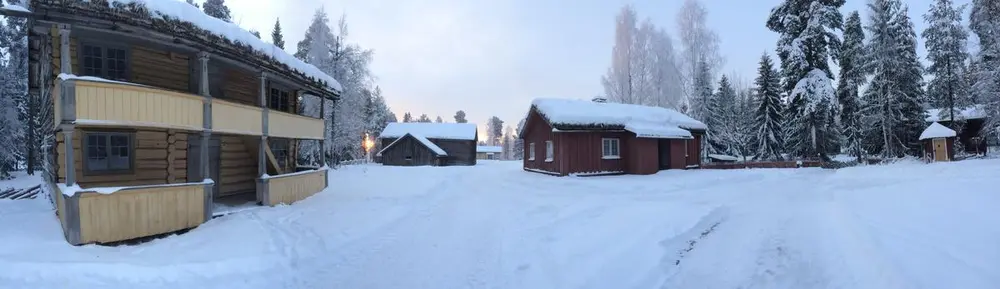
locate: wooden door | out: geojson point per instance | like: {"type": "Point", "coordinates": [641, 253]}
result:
{"type": "Point", "coordinates": [940, 150]}
{"type": "Point", "coordinates": [663, 148]}
{"type": "Point", "coordinates": [194, 163]}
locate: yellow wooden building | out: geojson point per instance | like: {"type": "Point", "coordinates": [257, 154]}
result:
{"type": "Point", "coordinates": [161, 111]}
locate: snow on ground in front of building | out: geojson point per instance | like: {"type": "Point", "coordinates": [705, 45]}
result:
{"type": "Point", "coordinates": [21, 180]}
{"type": "Point", "coordinates": [905, 225]}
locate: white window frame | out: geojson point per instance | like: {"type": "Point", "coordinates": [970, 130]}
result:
{"type": "Point", "coordinates": [531, 151]}
{"type": "Point", "coordinates": [549, 151]}
{"type": "Point", "coordinates": [614, 152]}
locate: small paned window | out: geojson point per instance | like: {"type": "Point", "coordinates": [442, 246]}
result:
{"type": "Point", "coordinates": [108, 152]}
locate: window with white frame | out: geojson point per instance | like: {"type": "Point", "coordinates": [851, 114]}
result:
{"type": "Point", "coordinates": [610, 148]}
{"type": "Point", "coordinates": [548, 151]}
{"type": "Point", "coordinates": [531, 151]}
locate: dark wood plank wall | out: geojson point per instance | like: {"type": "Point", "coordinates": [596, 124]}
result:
{"type": "Point", "coordinates": [583, 151]}
{"type": "Point", "coordinates": [237, 169]}
{"type": "Point", "coordinates": [640, 155]}
{"type": "Point", "coordinates": [419, 154]}
{"type": "Point", "coordinates": [678, 153]}
{"type": "Point", "coordinates": [160, 158]}
{"type": "Point", "coordinates": [460, 152]}
{"type": "Point", "coordinates": [241, 86]}
{"type": "Point", "coordinates": [694, 150]}
{"type": "Point", "coordinates": [160, 68]}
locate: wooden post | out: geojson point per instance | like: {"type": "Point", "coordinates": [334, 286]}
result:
{"type": "Point", "coordinates": [70, 158]}
{"type": "Point", "coordinates": [322, 142]}
{"type": "Point", "coordinates": [65, 57]}
{"type": "Point", "coordinates": [206, 135]}
{"type": "Point", "coordinates": [263, 189]}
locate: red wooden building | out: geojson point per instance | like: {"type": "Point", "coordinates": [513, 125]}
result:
{"type": "Point", "coordinates": [579, 137]}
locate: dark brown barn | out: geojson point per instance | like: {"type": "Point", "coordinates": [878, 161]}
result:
{"type": "Point", "coordinates": [973, 121]}
{"type": "Point", "coordinates": [939, 143]}
{"type": "Point", "coordinates": [578, 137]}
{"type": "Point", "coordinates": [428, 144]}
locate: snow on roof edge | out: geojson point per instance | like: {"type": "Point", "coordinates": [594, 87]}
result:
{"type": "Point", "coordinates": [584, 112]}
{"type": "Point", "coordinates": [936, 130]}
{"type": "Point", "coordinates": [454, 131]}
{"type": "Point", "coordinates": [14, 8]}
{"type": "Point", "coordinates": [183, 11]}
{"type": "Point", "coordinates": [423, 140]}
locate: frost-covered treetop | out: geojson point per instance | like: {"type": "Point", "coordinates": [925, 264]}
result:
{"type": "Point", "coordinates": [570, 112]}
{"type": "Point", "coordinates": [455, 131]}
{"type": "Point", "coordinates": [936, 130]}
{"type": "Point", "coordinates": [182, 20]}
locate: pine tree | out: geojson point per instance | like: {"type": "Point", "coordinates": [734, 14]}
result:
{"type": "Point", "coordinates": [768, 115]}
{"type": "Point", "coordinates": [721, 120]}
{"type": "Point", "coordinates": [255, 33]}
{"type": "Point", "coordinates": [407, 117]}
{"type": "Point", "coordinates": [460, 117]}
{"type": "Point", "coordinates": [702, 94]}
{"type": "Point", "coordinates": [518, 150]}
{"type": "Point", "coordinates": [438, 119]}
{"type": "Point", "coordinates": [217, 9]}
{"type": "Point", "coordinates": [851, 78]}
{"type": "Point", "coordinates": [276, 37]}
{"type": "Point", "coordinates": [807, 35]}
{"type": "Point", "coordinates": [192, 3]}
{"type": "Point", "coordinates": [893, 114]}
{"type": "Point", "coordinates": [494, 131]}
{"type": "Point", "coordinates": [946, 51]}
{"type": "Point", "coordinates": [424, 118]}
{"type": "Point", "coordinates": [984, 20]}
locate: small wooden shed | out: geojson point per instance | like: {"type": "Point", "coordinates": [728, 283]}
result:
{"type": "Point", "coordinates": [428, 144]}
{"type": "Point", "coordinates": [939, 142]}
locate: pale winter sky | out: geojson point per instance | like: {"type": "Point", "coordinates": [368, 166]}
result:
{"type": "Point", "coordinates": [492, 57]}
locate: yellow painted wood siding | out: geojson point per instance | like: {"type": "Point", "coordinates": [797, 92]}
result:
{"type": "Point", "coordinates": [290, 189]}
{"type": "Point", "coordinates": [57, 195]}
{"type": "Point", "coordinates": [293, 126]}
{"type": "Point", "coordinates": [136, 213]}
{"type": "Point", "coordinates": [155, 162]}
{"type": "Point", "coordinates": [228, 117]}
{"type": "Point", "coordinates": [120, 104]}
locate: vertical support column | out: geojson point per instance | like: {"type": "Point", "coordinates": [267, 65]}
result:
{"type": "Point", "coordinates": [322, 142]}
{"type": "Point", "coordinates": [263, 185]}
{"type": "Point", "coordinates": [70, 158]}
{"type": "Point", "coordinates": [65, 57]}
{"type": "Point", "coordinates": [206, 135]}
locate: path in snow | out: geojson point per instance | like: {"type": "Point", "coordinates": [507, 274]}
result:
{"type": "Point", "coordinates": [496, 226]}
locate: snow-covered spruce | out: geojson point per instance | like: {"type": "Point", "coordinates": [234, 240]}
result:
{"type": "Point", "coordinates": [768, 113]}
{"type": "Point", "coordinates": [807, 31]}
{"type": "Point", "coordinates": [852, 54]}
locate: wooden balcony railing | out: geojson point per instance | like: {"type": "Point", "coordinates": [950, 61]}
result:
{"type": "Point", "coordinates": [97, 216]}
{"type": "Point", "coordinates": [94, 102]}
{"type": "Point", "coordinates": [294, 187]}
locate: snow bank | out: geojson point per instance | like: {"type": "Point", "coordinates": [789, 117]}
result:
{"type": "Point", "coordinates": [67, 76]}
{"type": "Point", "coordinates": [724, 157]}
{"type": "Point", "coordinates": [455, 131]}
{"type": "Point", "coordinates": [582, 112]}
{"type": "Point", "coordinates": [70, 191]}
{"type": "Point", "coordinates": [653, 130]}
{"type": "Point", "coordinates": [489, 149]}
{"type": "Point", "coordinates": [936, 130]}
{"type": "Point", "coordinates": [267, 176]}
{"type": "Point", "coordinates": [185, 12]}
{"type": "Point", "coordinates": [972, 112]}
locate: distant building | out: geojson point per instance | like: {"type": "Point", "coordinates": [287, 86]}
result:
{"type": "Point", "coordinates": [428, 144]}
{"type": "Point", "coordinates": [489, 152]}
{"type": "Point", "coordinates": [970, 136]}
{"type": "Point", "coordinates": [563, 137]}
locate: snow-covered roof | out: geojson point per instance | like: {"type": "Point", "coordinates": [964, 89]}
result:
{"type": "Point", "coordinates": [936, 130]}
{"type": "Point", "coordinates": [423, 140]}
{"type": "Point", "coordinates": [170, 17]}
{"type": "Point", "coordinates": [455, 131]}
{"type": "Point", "coordinates": [585, 113]}
{"type": "Point", "coordinates": [653, 130]}
{"type": "Point", "coordinates": [972, 112]}
{"type": "Point", "coordinates": [489, 149]}
{"type": "Point", "coordinates": [14, 8]}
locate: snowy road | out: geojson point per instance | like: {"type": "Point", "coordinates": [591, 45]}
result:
{"type": "Point", "coordinates": [494, 226]}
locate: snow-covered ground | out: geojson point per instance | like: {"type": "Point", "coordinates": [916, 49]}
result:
{"type": "Point", "coordinates": [905, 225]}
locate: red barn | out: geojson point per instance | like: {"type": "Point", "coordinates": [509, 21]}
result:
{"type": "Point", "coordinates": [579, 137]}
